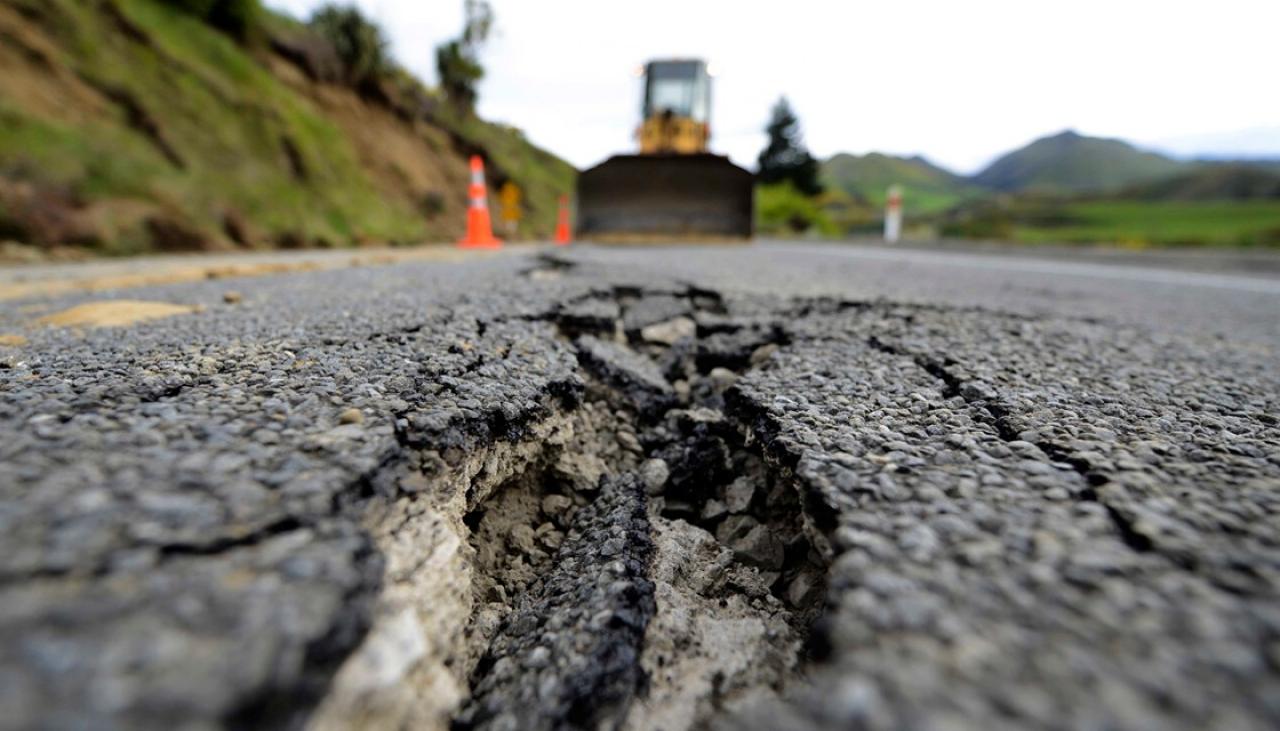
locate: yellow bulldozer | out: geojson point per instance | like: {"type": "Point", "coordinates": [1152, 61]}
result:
{"type": "Point", "coordinates": [674, 189]}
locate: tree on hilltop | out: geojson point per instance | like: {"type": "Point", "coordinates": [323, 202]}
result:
{"type": "Point", "coordinates": [785, 158]}
{"type": "Point", "coordinates": [358, 42]}
{"type": "Point", "coordinates": [458, 61]}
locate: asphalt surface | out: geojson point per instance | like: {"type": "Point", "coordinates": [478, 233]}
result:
{"type": "Point", "coordinates": [940, 490]}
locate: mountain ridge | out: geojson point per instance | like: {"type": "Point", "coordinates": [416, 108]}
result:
{"type": "Point", "coordinates": [866, 179]}
{"type": "Point", "coordinates": [1071, 162]}
{"type": "Point", "coordinates": [1065, 162]}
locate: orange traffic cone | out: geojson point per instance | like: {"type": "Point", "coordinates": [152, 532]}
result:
{"type": "Point", "coordinates": [479, 228]}
{"type": "Point", "coordinates": [563, 235]}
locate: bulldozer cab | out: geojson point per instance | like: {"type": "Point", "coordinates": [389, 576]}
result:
{"type": "Point", "coordinates": [677, 108]}
{"type": "Point", "coordinates": [680, 88]}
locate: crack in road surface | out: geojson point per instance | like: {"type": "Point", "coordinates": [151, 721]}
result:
{"type": "Point", "coordinates": [656, 563]}
{"type": "Point", "coordinates": [637, 565]}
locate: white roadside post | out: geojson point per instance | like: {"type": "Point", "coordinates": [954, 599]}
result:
{"type": "Point", "coordinates": [893, 215]}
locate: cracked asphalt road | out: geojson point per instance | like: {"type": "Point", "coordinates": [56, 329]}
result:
{"type": "Point", "coordinates": [1024, 493]}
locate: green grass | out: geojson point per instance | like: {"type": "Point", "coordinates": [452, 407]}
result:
{"type": "Point", "coordinates": [1164, 223]}
{"type": "Point", "coordinates": [94, 159]}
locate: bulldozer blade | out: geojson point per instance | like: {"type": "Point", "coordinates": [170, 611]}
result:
{"type": "Point", "coordinates": [661, 198]}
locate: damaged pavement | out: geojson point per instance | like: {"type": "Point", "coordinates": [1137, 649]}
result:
{"type": "Point", "coordinates": [563, 492]}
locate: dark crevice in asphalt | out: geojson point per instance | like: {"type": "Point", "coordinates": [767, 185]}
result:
{"type": "Point", "coordinates": [707, 301]}
{"type": "Point", "coordinates": [1061, 455]}
{"type": "Point", "coordinates": [224, 544]}
{"type": "Point", "coordinates": [165, 551]}
{"type": "Point", "coordinates": [375, 480]}
{"type": "Point", "coordinates": [829, 306]}
{"type": "Point", "coordinates": [689, 471]}
{"type": "Point", "coordinates": [764, 431]}
{"type": "Point", "coordinates": [979, 396]}
{"type": "Point", "coordinates": [548, 266]}
{"type": "Point", "coordinates": [1131, 537]}
{"type": "Point", "coordinates": [939, 371]}
{"type": "Point", "coordinates": [167, 391]}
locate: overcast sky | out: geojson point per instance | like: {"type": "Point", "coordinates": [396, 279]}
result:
{"type": "Point", "coordinates": [957, 81]}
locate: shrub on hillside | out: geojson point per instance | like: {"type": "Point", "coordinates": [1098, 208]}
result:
{"type": "Point", "coordinates": [847, 212]}
{"type": "Point", "coordinates": [240, 19]}
{"type": "Point", "coordinates": [782, 209]}
{"type": "Point", "coordinates": [358, 41]}
{"type": "Point", "coordinates": [198, 8]}
{"type": "Point", "coordinates": [986, 219]}
{"type": "Point", "coordinates": [459, 73]}
{"type": "Point", "coordinates": [458, 61]}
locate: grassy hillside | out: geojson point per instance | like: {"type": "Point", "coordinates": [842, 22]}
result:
{"type": "Point", "coordinates": [1069, 162]}
{"type": "Point", "coordinates": [129, 125]}
{"type": "Point", "coordinates": [925, 187]}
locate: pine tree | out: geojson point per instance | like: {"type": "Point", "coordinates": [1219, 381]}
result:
{"type": "Point", "coordinates": [785, 158]}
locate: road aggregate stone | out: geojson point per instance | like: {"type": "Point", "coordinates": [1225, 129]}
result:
{"type": "Point", "coordinates": [1034, 510]}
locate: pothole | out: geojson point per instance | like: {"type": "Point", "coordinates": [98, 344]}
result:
{"type": "Point", "coordinates": [636, 563]}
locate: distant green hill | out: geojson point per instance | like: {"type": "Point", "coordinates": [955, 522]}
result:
{"type": "Point", "coordinates": [1210, 182]}
{"type": "Point", "coordinates": [1070, 162]}
{"type": "Point", "coordinates": [926, 187]}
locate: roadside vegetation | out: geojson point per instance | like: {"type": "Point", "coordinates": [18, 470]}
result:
{"type": "Point", "coordinates": [241, 19]}
{"type": "Point", "coordinates": [170, 125]}
{"type": "Point", "coordinates": [1127, 223]}
{"type": "Point", "coordinates": [788, 185]}
{"type": "Point", "coordinates": [1065, 188]}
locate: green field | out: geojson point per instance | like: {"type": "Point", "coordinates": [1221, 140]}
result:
{"type": "Point", "coordinates": [1162, 223]}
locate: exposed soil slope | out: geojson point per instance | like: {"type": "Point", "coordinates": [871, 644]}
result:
{"type": "Point", "coordinates": [128, 126]}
